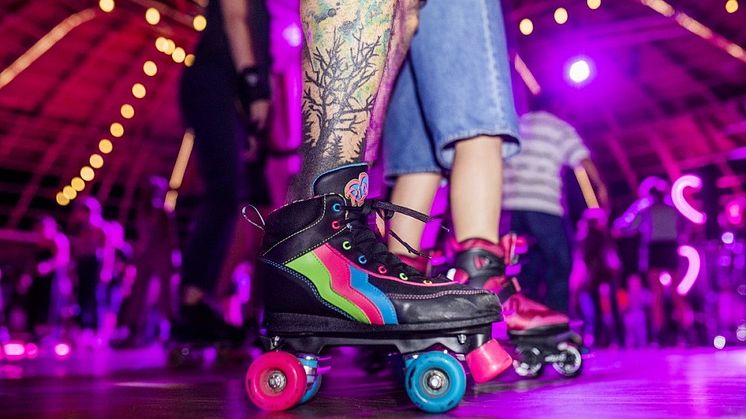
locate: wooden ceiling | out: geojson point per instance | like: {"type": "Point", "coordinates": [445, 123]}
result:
{"type": "Point", "coordinates": [664, 101]}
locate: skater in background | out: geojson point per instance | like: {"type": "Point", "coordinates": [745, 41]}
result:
{"type": "Point", "coordinates": [117, 265]}
{"type": "Point", "coordinates": [533, 196]}
{"type": "Point", "coordinates": [226, 91]}
{"type": "Point", "coordinates": [452, 116]}
{"type": "Point", "coordinates": [52, 260]}
{"type": "Point", "coordinates": [660, 226]}
{"type": "Point", "coordinates": [88, 239]}
{"type": "Point", "coordinates": [595, 281]}
{"type": "Point", "coordinates": [635, 307]}
{"type": "Point", "coordinates": [156, 256]}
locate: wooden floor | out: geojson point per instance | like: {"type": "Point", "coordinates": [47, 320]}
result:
{"type": "Point", "coordinates": [615, 384]}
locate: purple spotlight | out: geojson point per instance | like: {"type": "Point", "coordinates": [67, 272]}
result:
{"type": "Point", "coordinates": [580, 70]}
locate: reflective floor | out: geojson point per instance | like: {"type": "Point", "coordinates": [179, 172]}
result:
{"type": "Point", "coordinates": [615, 384]}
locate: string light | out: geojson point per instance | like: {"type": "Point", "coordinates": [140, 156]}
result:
{"type": "Point", "coordinates": [149, 68]}
{"type": "Point", "coordinates": [594, 4]}
{"type": "Point", "coordinates": [116, 129]}
{"type": "Point", "coordinates": [560, 15]}
{"type": "Point", "coordinates": [731, 6]}
{"type": "Point", "coordinates": [61, 199]}
{"type": "Point", "coordinates": [105, 146]}
{"type": "Point", "coordinates": [178, 55]}
{"type": "Point", "coordinates": [87, 174]}
{"type": "Point", "coordinates": [138, 90]}
{"type": "Point", "coordinates": [127, 111]}
{"type": "Point", "coordinates": [189, 60]}
{"type": "Point", "coordinates": [170, 47]}
{"type": "Point", "coordinates": [96, 161]}
{"type": "Point", "coordinates": [152, 16]}
{"type": "Point", "coordinates": [78, 184]}
{"type": "Point", "coordinates": [161, 44]}
{"type": "Point", "coordinates": [69, 192]}
{"type": "Point", "coordinates": [526, 26]}
{"type": "Point", "coordinates": [199, 23]}
{"type": "Point", "coordinates": [106, 5]}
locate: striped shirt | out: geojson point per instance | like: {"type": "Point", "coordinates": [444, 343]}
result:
{"type": "Point", "coordinates": [532, 180]}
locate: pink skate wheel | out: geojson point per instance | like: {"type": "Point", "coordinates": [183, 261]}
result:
{"type": "Point", "coordinates": [488, 361]}
{"type": "Point", "coordinates": [276, 381]}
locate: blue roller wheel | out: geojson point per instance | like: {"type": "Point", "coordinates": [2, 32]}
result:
{"type": "Point", "coordinates": [435, 382]}
{"type": "Point", "coordinates": [313, 387]}
{"type": "Point", "coordinates": [312, 390]}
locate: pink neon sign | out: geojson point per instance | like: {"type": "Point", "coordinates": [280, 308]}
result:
{"type": "Point", "coordinates": [680, 202]}
{"type": "Point", "coordinates": [692, 271]}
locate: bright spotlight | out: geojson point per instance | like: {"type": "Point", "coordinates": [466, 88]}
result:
{"type": "Point", "coordinates": [579, 71]}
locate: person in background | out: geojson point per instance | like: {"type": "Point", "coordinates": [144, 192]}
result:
{"type": "Point", "coordinates": [532, 194]}
{"type": "Point", "coordinates": [595, 280]}
{"type": "Point", "coordinates": [659, 225]}
{"type": "Point", "coordinates": [116, 266]}
{"type": "Point", "coordinates": [226, 91]}
{"type": "Point", "coordinates": [88, 239]}
{"type": "Point", "coordinates": [155, 254]}
{"type": "Point", "coordinates": [635, 307]}
{"type": "Point", "coordinates": [52, 259]}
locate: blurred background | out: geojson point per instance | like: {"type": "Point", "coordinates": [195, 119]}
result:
{"type": "Point", "coordinates": [96, 165]}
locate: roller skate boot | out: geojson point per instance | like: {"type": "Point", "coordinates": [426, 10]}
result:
{"type": "Point", "coordinates": [539, 334]}
{"type": "Point", "coordinates": [330, 281]}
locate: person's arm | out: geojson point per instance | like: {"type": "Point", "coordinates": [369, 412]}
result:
{"type": "Point", "coordinates": [235, 15]}
{"type": "Point", "coordinates": [602, 194]}
{"type": "Point", "coordinates": [577, 155]}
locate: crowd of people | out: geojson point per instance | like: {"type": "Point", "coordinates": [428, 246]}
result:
{"type": "Point", "coordinates": [131, 290]}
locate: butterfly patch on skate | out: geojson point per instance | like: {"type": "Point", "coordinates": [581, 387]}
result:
{"type": "Point", "coordinates": [356, 190]}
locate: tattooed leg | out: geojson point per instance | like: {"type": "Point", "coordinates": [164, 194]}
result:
{"type": "Point", "coordinates": [350, 44]}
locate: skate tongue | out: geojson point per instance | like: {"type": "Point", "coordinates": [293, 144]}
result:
{"type": "Point", "coordinates": [350, 181]}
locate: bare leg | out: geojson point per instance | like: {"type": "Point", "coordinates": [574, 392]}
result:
{"type": "Point", "coordinates": [476, 188]}
{"type": "Point", "coordinates": [415, 191]}
{"type": "Point", "coordinates": [349, 47]}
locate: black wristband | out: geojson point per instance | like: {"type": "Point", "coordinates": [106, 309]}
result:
{"type": "Point", "coordinates": [254, 84]}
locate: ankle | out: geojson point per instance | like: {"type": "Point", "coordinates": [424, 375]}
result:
{"type": "Point", "coordinates": [419, 263]}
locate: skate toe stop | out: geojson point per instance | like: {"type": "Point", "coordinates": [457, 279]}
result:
{"type": "Point", "coordinates": [488, 361]}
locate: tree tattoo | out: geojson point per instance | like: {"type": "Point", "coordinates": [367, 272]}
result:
{"type": "Point", "coordinates": [333, 103]}
{"type": "Point", "coordinates": [346, 50]}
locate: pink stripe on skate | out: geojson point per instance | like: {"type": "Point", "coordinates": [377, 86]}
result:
{"type": "Point", "coordinates": [341, 283]}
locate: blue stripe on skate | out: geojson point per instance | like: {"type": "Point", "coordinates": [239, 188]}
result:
{"type": "Point", "coordinates": [359, 281]}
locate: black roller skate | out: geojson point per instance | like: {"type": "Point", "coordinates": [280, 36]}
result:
{"type": "Point", "coordinates": [539, 334]}
{"type": "Point", "coordinates": [331, 282]}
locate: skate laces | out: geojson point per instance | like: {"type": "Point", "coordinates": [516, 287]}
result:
{"type": "Point", "coordinates": [368, 242]}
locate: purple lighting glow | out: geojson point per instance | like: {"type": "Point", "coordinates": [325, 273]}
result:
{"type": "Point", "coordinates": [62, 350]}
{"type": "Point", "coordinates": [680, 202]}
{"type": "Point", "coordinates": [579, 71]}
{"type": "Point", "coordinates": [692, 271]}
{"type": "Point", "coordinates": [665, 279]}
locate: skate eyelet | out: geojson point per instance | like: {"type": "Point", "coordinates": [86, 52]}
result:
{"type": "Point", "coordinates": [427, 282]}
{"type": "Point", "coordinates": [336, 225]}
{"type": "Point", "coordinates": [362, 259]}
{"type": "Point", "coordinates": [346, 245]}
{"type": "Point", "coordinates": [382, 270]}
{"type": "Point", "coordinates": [403, 276]}
{"type": "Point", "coordinates": [337, 207]}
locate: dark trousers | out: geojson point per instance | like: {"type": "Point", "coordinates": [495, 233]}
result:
{"type": "Point", "coordinates": [208, 104]}
{"type": "Point", "coordinates": [89, 273]}
{"type": "Point", "coordinates": [548, 259]}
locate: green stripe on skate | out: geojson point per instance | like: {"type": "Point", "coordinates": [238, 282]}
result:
{"type": "Point", "coordinates": [311, 267]}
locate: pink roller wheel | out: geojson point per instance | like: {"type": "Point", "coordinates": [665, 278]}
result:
{"type": "Point", "coordinates": [276, 381]}
{"type": "Point", "coordinates": [488, 361]}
